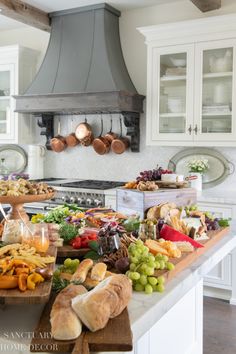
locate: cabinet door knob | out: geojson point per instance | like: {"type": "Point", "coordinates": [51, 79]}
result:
{"type": "Point", "coordinates": [190, 129]}
{"type": "Point", "coordinates": [196, 129]}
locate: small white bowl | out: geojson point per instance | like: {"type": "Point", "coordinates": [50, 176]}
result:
{"type": "Point", "coordinates": [172, 177]}
{"type": "Point", "coordinates": [178, 62]}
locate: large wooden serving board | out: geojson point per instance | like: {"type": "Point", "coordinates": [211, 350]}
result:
{"type": "Point", "coordinates": [188, 258]}
{"type": "Point", "coordinates": [38, 296]}
{"type": "Point", "coordinates": [116, 336]}
{"type": "Point", "coordinates": [68, 251]}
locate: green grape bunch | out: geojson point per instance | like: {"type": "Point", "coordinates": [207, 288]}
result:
{"type": "Point", "coordinates": [142, 268]}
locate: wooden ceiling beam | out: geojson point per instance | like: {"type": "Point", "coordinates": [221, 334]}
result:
{"type": "Point", "coordinates": [207, 5]}
{"type": "Point", "coordinates": [27, 14]}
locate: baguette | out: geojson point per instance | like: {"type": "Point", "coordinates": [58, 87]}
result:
{"type": "Point", "coordinates": [107, 300]}
{"type": "Point", "coordinates": [98, 271]}
{"type": "Point", "coordinates": [65, 325]}
{"type": "Point", "coordinates": [82, 270]}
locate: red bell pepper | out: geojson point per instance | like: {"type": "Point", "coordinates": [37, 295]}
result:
{"type": "Point", "coordinates": [170, 234]}
{"type": "Point", "coordinates": [76, 242]}
{"type": "Point", "coordinates": [84, 241]}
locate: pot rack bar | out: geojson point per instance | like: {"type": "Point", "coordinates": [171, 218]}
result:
{"type": "Point", "coordinates": [131, 122]}
{"type": "Point", "coordinates": [44, 107]}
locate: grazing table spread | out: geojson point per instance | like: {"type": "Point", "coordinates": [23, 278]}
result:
{"type": "Point", "coordinates": [133, 284]}
{"type": "Point", "coordinates": [154, 319]}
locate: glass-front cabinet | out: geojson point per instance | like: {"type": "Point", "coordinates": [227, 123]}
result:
{"type": "Point", "coordinates": [17, 69]}
{"type": "Point", "coordinates": [6, 107]}
{"type": "Point", "coordinates": [191, 83]}
{"type": "Point", "coordinates": [215, 91]}
{"type": "Point", "coordinates": [174, 101]}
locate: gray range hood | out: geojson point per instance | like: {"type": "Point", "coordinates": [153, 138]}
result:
{"type": "Point", "coordinates": [83, 70]}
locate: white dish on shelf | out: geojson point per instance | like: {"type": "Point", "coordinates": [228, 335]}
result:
{"type": "Point", "coordinates": [175, 104]}
{"type": "Point", "coordinates": [178, 62]}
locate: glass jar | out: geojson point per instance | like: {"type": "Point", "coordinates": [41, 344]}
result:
{"type": "Point", "coordinates": [13, 231]}
{"type": "Point", "coordinates": [147, 230]}
{"type": "Point", "coordinates": [108, 244]}
{"type": "Point", "coordinates": [36, 235]}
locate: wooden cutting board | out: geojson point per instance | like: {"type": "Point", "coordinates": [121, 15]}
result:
{"type": "Point", "coordinates": [38, 296]}
{"type": "Point", "coordinates": [116, 336]}
{"type": "Point", "coordinates": [188, 258]}
{"type": "Point", "coordinates": [70, 252]}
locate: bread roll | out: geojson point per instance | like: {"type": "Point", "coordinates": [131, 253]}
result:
{"type": "Point", "coordinates": [90, 283]}
{"type": "Point", "coordinates": [107, 300]}
{"type": "Point", "coordinates": [82, 270]}
{"type": "Point", "coordinates": [98, 271]}
{"type": "Point", "coordinates": [64, 322]}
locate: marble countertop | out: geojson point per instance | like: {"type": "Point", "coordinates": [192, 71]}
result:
{"type": "Point", "coordinates": [144, 310]}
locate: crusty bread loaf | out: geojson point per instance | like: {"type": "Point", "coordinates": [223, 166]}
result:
{"type": "Point", "coordinates": [64, 322]}
{"type": "Point", "coordinates": [82, 270]}
{"type": "Point", "coordinates": [107, 300]}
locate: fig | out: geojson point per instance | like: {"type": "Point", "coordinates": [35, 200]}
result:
{"type": "Point", "coordinates": [122, 264]}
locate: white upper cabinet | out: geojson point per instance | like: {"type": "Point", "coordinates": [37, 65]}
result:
{"type": "Point", "coordinates": [191, 82]}
{"type": "Point", "coordinates": [17, 69]}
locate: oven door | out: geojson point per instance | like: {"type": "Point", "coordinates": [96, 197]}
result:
{"type": "Point", "coordinates": [38, 208]}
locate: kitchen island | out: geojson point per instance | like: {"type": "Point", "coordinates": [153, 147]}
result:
{"type": "Point", "coordinates": [165, 323]}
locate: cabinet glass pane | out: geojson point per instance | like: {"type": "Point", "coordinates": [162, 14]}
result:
{"type": "Point", "coordinates": [172, 101]}
{"type": "Point", "coordinates": [4, 114]}
{"type": "Point", "coordinates": [217, 90]}
{"type": "Point", "coordinates": [4, 83]}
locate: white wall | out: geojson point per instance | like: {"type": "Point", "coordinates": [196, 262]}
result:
{"type": "Point", "coordinates": [84, 162]}
{"type": "Point", "coordinates": [27, 37]}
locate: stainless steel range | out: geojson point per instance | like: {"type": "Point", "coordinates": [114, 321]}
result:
{"type": "Point", "coordinates": [84, 193]}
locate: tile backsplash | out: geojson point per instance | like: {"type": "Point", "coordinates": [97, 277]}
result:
{"type": "Point", "coordinates": [81, 162]}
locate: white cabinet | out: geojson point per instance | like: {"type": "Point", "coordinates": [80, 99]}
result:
{"type": "Point", "coordinates": [184, 339]}
{"type": "Point", "coordinates": [222, 275]}
{"type": "Point", "coordinates": [191, 83]}
{"type": "Point", "coordinates": [17, 69]}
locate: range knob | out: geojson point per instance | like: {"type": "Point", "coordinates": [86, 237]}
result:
{"type": "Point", "coordinates": [89, 201]}
{"type": "Point", "coordinates": [72, 199]}
{"type": "Point", "coordinates": [97, 202]}
{"type": "Point", "coordinates": [80, 200]}
{"type": "Point", "coordinates": [65, 198]}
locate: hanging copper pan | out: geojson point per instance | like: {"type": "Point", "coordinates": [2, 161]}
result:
{"type": "Point", "coordinates": [58, 143]}
{"type": "Point", "coordinates": [110, 136]}
{"type": "Point", "coordinates": [84, 134]}
{"type": "Point", "coordinates": [100, 144]}
{"type": "Point", "coordinates": [120, 144]}
{"type": "Point", "coordinates": [71, 139]}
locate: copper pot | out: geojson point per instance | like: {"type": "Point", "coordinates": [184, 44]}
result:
{"type": "Point", "coordinates": [71, 139]}
{"type": "Point", "coordinates": [84, 134]}
{"type": "Point", "coordinates": [120, 144]}
{"type": "Point", "coordinates": [58, 143]}
{"type": "Point", "coordinates": [101, 145]}
{"type": "Point", "coordinates": [110, 136]}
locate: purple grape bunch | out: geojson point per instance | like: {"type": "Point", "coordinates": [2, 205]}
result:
{"type": "Point", "coordinates": [212, 224]}
{"type": "Point", "coordinates": [152, 175]}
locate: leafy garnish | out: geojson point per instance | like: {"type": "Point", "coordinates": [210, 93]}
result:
{"type": "Point", "coordinates": [93, 245]}
{"type": "Point", "coordinates": [224, 222]}
{"type": "Point", "coordinates": [68, 232]}
{"type": "Point", "coordinates": [92, 255]}
{"type": "Point", "coordinates": [58, 283]}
